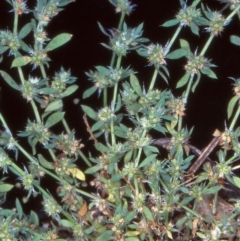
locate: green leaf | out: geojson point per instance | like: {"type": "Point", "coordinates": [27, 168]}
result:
{"type": "Point", "coordinates": [102, 29]}
{"type": "Point", "coordinates": [90, 112]}
{"type": "Point", "coordinates": [55, 105]}
{"type": "Point", "coordinates": [71, 89]}
{"type": "Point", "coordinates": [100, 147]}
{"type": "Point", "coordinates": [19, 208]}
{"type": "Point", "coordinates": [34, 218]}
{"type": "Point", "coordinates": [105, 236]}
{"type": "Point", "coordinates": [66, 223]}
{"type": "Point", "coordinates": [87, 93]}
{"type": "Point", "coordinates": [21, 61]}
{"type": "Point", "coordinates": [9, 80]}
{"type": "Point", "coordinates": [24, 46]}
{"type": "Point", "coordinates": [148, 213]}
{"type": "Point", "coordinates": [170, 23]}
{"type": "Point", "coordinates": [194, 28]}
{"type": "Point", "coordinates": [235, 40]}
{"type": "Point", "coordinates": [147, 160]}
{"type": "Point", "coordinates": [98, 125]}
{"type": "Point", "coordinates": [92, 170]}
{"type": "Point", "coordinates": [5, 187]}
{"type": "Point", "coordinates": [236, 181]}
{"type": "Point", "coordinates": [183, 81]}
{"type": "Point", "coordinates": [103, 70]}
{"type": "Point", "coordinates": [177, 54]}
{"type": "Point", "coordinates": [209, 73]}
{"type": "Point", "coordinates": [46, 164]}
{"type": "Point", "coordinates": [185, 45]}
{"type": "Point", "coordinates": [3, 49]}
{"type": "Point", "coordinates": [58, 41]}
{"type": "Point", "coordinates": [132, 238]}
{"type": "Point", "coordinates": [54, 118]}
{"type": "Point", "coordinates": [25, 31]}
{"type": "Point", "coordinates": [135, 85]}
{"type": "Point", "coordinates": [231, 105]}
{"type": "Point", "coordinates": [196, 82]}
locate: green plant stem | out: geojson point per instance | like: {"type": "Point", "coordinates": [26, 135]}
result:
{"type": "Point", "coordinates": [186, 94]}
{"type": "Point", "coordinates": [43, 71]}
{"type": "Point", "coordinates": [207, 44]}
{"type": "Point", "coordinates": [195, 3]}
{"type": "Point", "coordinates": [47, 196]}
{"type": "Point", "coordinates": [153, 79]}
{"type": "Point", "coordinates": [121, 21]}
{"type": "Point", "coordinates": [105, 94]}
{"type": "Point", "coordinates": [21, 75]}
{"type": "Point", "coordinates": [35, 110]}
{"type": "Point", "coordinates": [235, 119]}
{"type": "Point", "coordinates": [174, 37]}
{"type": "Point", "coordinates": [65, 124]}
{"type": "Point", "coordinates": [15, 23]}
{"type": "Point", "coordinates": [180, 123]}
{"type": "Point", "coordinates": [232, 13]}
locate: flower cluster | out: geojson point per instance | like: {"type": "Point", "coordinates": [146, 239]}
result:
{"type": "Point", "coordinates": [123, 6]}
{"type": "Point", "coordinates": [188, 15]}
{"type": "Point", "coordinates": [9, 41]}
{"type": "Point", "coordinates": [123, 41]}
{"type": "Point", "coordinates": [156, 54]}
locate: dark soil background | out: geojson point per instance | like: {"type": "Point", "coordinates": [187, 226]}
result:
{"type": "Point", "coordinates": [206, 108]}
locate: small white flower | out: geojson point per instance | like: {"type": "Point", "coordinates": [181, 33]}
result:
{"type": "Point", "coordinates": [34, 80]}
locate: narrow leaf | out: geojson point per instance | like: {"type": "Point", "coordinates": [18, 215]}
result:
{"type": "Point", "coordinates": [58, 41]}
{"type": "Point", "coordinates": [5, 187]}
{"type": "Point", "coordinates": [55, 105]}
{"type": "Point", "coordinates": [148, 213]}
{"type": "Point", "coordinates": [177, 54]}
{"type": "Point", "coordinates": [66, 223]}
{"type": "Point", "coordinates": [25, 31]}
{"type": "Point", "coordinates": [235, 40]}
{"type": "Point", "coordinates": [231, 106]}
{"type": "Point", "coordinates": [90, 112]}
{"type": "Point", "coordinates": [147, 160]}
{"type": "Point", "coordinates": [236, 181]}
{"type": "Point", "coordinates": [54, 118]}
{"type": "Point", "coordinates": [92, 170]}
{"type": "Point", "coordinates": [9, 80]}
{"type": "Point", "coordinates": [105, 236]}
{"type": "Point", "coordinates": [170, 23]}
{"type": "Point", "coordinates": [21, 61]}
{"type": "Point", "coordinates": [19, 208]}
{"type": "Point", "coordinates": [46, 164]}
{"type": "Point", "coordinates": [135, 84]}
{"type": "Point", "coordinates": [183, 81]}
{"type": "Point", "coordinates": [71, 89]}
{"type": "Point", "coordinates": [87, 93]}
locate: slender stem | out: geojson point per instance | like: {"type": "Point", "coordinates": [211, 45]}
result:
{"type": "Point", "coordinates": [43, 71]}
{"type": "Point", "coordinates": [65, 124]}
{"type": "Point", "coordinates": [207, 45]}
{"type": "Point", "coordinates": [15, 23]}
{"type": "Point", "coordinates": [195, 3]}
{"type": "Point", "coordinates": [121, 21]}
{"type": "Point", "coordinates": [234, 119]}
{"type": "Point", "coordinates": [21, 75]}
{"type": "Point", "coordinates": [232, 13]}
{"type": "Point", "coordinates": [153, 79]}
{"type": "Point", "coordinates": [186, 94]}
{"type": "Point", "coordinates": [81, 154]}
{"type": "Point", "coordinates": [35, 110]}
{"type": "Point", "coordinates": [105, 94]}
{"type": "Point", "coordinates": [174, 36]}
{"type": "Point", "coordinates": [140, 150]}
